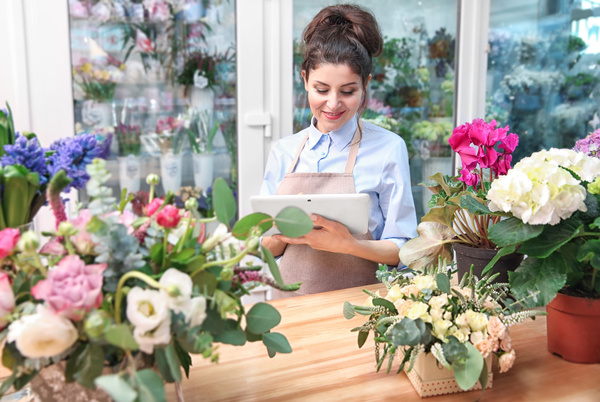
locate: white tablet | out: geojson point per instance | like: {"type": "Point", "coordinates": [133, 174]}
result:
{"type": "Point", "coordinates": [352, 210]}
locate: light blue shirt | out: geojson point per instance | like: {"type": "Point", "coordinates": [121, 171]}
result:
{"type": "Point", "coordinates": [381, 170]}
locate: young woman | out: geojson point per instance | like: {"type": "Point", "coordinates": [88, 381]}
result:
{"type": "Point", "coordinates": [339, 153]}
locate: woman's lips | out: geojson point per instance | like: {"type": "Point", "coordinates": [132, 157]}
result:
{"type": "Point", "coordinates": [333, 116]}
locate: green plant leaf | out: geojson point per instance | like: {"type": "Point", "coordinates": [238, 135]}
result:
{"type": "Point", "coordinates": [513, 231]}
{"type": "Point", "coordinates": [293, 222]}
{"type": "Point", "coordinates": [537, 281]}
{"type": "Point", "coordinates": [405, 333]}
{"type": "Point", "coordinates": [184, 256]}
{"type": "Point", "coordinates": [116, 387]}
{"type": "Point", "coordinates": [501, 253]}
{"type": "Point", "coordinates": [277, 342]}
{"type": "Point", "coordinates": [223, 201]}
{"type": "Point", "coordinates": [273, 267]}
{"type": "Point", "coordinates": [150, 386]}
{"type": "Point", "coordinates": [467, 374]}
{"type": "Point", "coordinates": [590, 251]}
{"type": "Point", "coordinates": [244, 226]}
{"type": "Point", "coordinates": [474, 205]}
{"type": "Point", "coordinates": [89, 365]}
{"type": "Point", "coordinates": [121, 336]}
{"type": "Point", "coordinates": [552, 238]}
{"type": "Point", "coordinates": [234, 336]}
{"type": "Point", "coordinates": [362, 338]}
{"type": "Point", "coordinates": [160, 355]}
{"type": "Point", "coordinates": [455, 351]}
{"type": "Point", "coordinates": [443, 282]}
{"type": "Point", "coordinates": [262, 317]}
{"type": "Point", "coordinates": [206, 281]}
{"type": "Point", "coordinates": [156, 252]}
{"type": "Point", "coordinates": [173, 360]}
{"type": "Point", "coordinates": [378, 301]}
{"type": "Point", "coordinates": [348, 310]}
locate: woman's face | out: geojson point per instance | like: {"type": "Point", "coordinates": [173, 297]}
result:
{"type": "Point", "coordinates": [335, 93]}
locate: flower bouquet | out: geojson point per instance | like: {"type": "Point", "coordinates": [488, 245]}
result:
{"type": "Point", "coordinates": [119, 302]}
{"type": "Point", "coordinates": [457, 208]}
{"type": "Point", "coordinates": [201, 69]}
{"type": "Point", "coordinates": [26, 168]}
{"type": "Point", "coordinates": [461, 326]}
{"type": "Point", "coordinates": [98, 79]}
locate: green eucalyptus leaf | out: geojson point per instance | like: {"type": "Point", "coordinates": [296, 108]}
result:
{"type": "Point", "coordinates": [362, 338]}
{"type": "Point", "coordinates": [223, 201]}
{"type": "Point", "coordinates": [273, 267]}
{"type": "Point", "coordinates": [244, 226]}
{"type": "Point", "coordinates": [262, 317]}
{"type": "Point", "coordinates": [348, 310]}
{"type": "Point", "coordinates": [467, 374]}
{"type": "Point", "coordinates": [234, 336]}
{"type": "Point", "coordinates": [293, 222]}
{"type": "Point", "coordinates": [277, 342]}
{"type": "Point", "coordinates": [443, 282]}
{"type": "Point", "coordinates": [121, 336]}
{"type": "Point", "coordinates": [455, 351]}
{"type": "Point", "coordinates": [405, 333]}
{"type": "Point", "coordinates": [116, 387]}
{"type": "Point", "coordinates": [150, 386]}
{"type": "Point", "coordinates": [378, 301]}
{"type": "Point", "coordinates": [89, 365]}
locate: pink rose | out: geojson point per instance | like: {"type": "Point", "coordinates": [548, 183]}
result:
{"type": "Point", "coordinates": [495, 327]}
{"type": "Point", "coordinates": [7, 298]}
{"type": "Point", "coordinates": [53, 247]}
{"type": "Point", "coordinates": [153, 206]}
{"type": "Point", "coordinates": [168, 217]}
{"type": "Point", "coordinates": [72, 288]}
{"type": "Point", "coordinates": [83, 240]}
{"type": "Point", "coordinates": [8, 240]}
{"type": "Point", "coordinates": [506, 361]}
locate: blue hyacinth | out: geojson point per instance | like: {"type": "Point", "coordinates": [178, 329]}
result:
{"type": "Point", "coordinates": [72, 155]}
{"type": "Point", "coordinates": [28, 153]}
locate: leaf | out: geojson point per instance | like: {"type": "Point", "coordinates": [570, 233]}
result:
{"type": "Point", "coordinates": [293, 222]}
{"type": "Point", "coordinates": [89, 365]}
{"type": "Point", "coordinates": [173, 360]}
{"type": "Point", "coordinates": [434, 241]}
{"type": "Point", "coordinates": [405, 333]}
{"type": "Point", "coordinates": [244, 226]}
{"type": "Point", "coordinates": [590, 251]}
{"type": "Point", "coordinates": [362, 338]}
{"type": "Point", "coordinates": [150, 386]}
{"type": "Point", "coordinates": [443, 214]}
{"type": "Point", "coordinates": [277, 342]}
{"type": "Point", "coordinates": [156, 253]}
{"type": "Point", "coordinates": [537, 281]}
{"type": "Point", "coordinates": [206, 282]}
{"type": "Point", "coordinates": [262, 317]}
{"type": "Point", "coordinates": [116, 387]}
{"type": "Point", "coordinates": [184, 256]}
{"type": "Point", "coordinates": [501, 253]}
{"type": "Point", "coordinates": [467, 374]}
{"type": "Point", "coordinates": [513, 231]}
{"type": "Point", "coordinates": [223, 201]}
{"type": "Point", "coordinates": [348, 310]}
{"type": "Point", "coordinates": [378, 301]}
{"type": "Point", "coordinates": [474, 205]}
{"type": "Point", "coordinates": [443, 282]}
{"type": "Point", "coordinates": [552, 238]}
{"type": "Point", "coordinates": [121, 336]}
{"type": "Point", "coordinates": [234, 336]}
{"type": "Point", "coordinates": [160, 355]}
{"type": "Point", "coordinates": [273, 267]}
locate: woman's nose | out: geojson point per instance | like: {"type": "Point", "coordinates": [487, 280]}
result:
{"type": "Point", "coordinates": [333, 101]}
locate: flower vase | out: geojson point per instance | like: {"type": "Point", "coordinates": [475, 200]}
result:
{"type": "Point", "coordinates": [129, 173]}
{"type": "Point", "coordinates": [430, 379]}
{"type": "Point", "coordinates": [98, 114]}
{"type": "Point", "coordinates": [573, 326]}
{"type": "Point", "coordinates": [202, 99]}
{"type": "Point", "coordinates": [479, 257]}
{"type": "Point", "coordinates": [204, 170]}
{"type": "Point", "coordinates": [170, 171]}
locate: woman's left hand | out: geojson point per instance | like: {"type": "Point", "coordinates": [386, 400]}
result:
{"type": "Point", "coordinates": [330, 236]}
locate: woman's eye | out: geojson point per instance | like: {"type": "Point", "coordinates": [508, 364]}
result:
{"type": "Point", "coordinates": [321, 91]}
{"type": "Point", "coordinates": [347, 93]}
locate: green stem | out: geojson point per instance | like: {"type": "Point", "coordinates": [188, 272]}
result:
{"type": "Point", "coordinates": [185, 237]}
{"type": "Point", "coordinates": [151, 195]}
{"type": "Point", "coordinates": [235, 259]}
{"type": "Point", "coordinates": [165, 244]}
{"type": "Point", "coordinates": [119, 292]}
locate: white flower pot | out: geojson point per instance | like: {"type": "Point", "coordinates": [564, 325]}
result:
{"type": "Point", "coordinates": [204, 170]}
{"type": "Point", "coordinates": [202, 99]}
{"type": "Point", "coordinates": [129, 173]}
{"type": "Point", "coordinates": [170, 171]}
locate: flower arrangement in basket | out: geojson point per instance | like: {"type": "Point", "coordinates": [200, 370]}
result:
{"type": "Point", "coordinates": [26, 168]}
{"type": "Point", "coordinates": [460, 325]}
{"type": "Point", "coordinates": [455, 214]}
{"type": "Point", "coordinates": [124, 300]}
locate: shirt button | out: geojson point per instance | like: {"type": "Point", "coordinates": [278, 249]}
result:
{"type": "Point", "coordinates": [322, 153]}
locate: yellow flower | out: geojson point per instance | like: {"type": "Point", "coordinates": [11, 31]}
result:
{"type": "Point", "coordinates": [87, 68]}
{"type": "Point", "coordinates": [440, 328]}
{"type": "Point", "coordinates": [394, 293]}
{"type": "Point", "coordinates": [419, 310]}
{"type": "Point", "coordinates": [477, 321]}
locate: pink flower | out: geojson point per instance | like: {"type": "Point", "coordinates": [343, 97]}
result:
{"type": "Point", "coordinates": [506, 361]}
{"type": "Point", "coordinates": [53, 247]}
{"type": "Point", "coordinates": [168, 217]}
{"type": "Point", "coordinates": [142, 42]}
{"type": "Point", "coordinates": [7, 299]}
{"type": "Point", "coordinates": [469, 178]}
{"type": "Point", "coordinates": [152, 207]}
{"type": "Point", "coordinates": [82, 240]}
{"type": "Point", "coordinates": [8, 240]}
{"type": "Point", "coordinates": [72, 288]}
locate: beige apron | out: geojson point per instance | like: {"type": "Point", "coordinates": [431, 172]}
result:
{"type": "Point", "coordinates": [320, 271]}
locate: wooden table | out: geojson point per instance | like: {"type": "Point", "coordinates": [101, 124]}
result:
{"type": "Point", "coordinates": [327, 365]}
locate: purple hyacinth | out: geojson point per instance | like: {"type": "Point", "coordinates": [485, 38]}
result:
{"type": "Point", "coordinates": [28, 153]}
{"type": "Point", "coordinates": [73, 155]}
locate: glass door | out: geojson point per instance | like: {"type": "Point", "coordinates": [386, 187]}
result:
{"type": "Point", "coordinates": [155, 82]}
{"type": "Point", "coordinates": [412, 89]}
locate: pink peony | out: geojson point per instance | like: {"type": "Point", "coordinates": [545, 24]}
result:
{"type": "Point", "coordinates": [168, 217]}
{"type": "Point", "coordinates": [7, 299]}
{"type": "Point", "coordinates": [153, 206]}
{"type": "Point", "coordinates": [72, 288]}
{"type": "Point", "coordinates": [8, 240]}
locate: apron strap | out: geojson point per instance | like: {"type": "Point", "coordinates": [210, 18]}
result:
{"type": "Point", "coordinates": [351, 155]}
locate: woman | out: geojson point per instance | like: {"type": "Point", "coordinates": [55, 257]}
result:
{"type": "Point", "coordinates": [340, 154]}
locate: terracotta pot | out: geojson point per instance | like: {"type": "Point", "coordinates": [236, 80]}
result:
{"type": "Point", "coordinates": [480, 257]}
{"type": "Point", "coordinates": [573, 326]}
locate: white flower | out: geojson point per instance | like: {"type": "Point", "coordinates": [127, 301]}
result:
{"type": "Point", "coordinates": [148, 339]}
{"type": "Point", "coordinates": [43, 334]}
{"type": "Point", "coordinates": [419, 310]}
{"type": "Point", "coordinates": [147, 308]}
{"type": "Point", "coordinates": [196, 311]}
{"type": "Point", "coordinates": [477, 337]}
{"type": "Point", "coordinates": [394, 293]}
{"type": "Point", "coordinates": [200, 81]}
{"type": "Point", "coordinates": [424, 282]}
{"type": "Point", "coordinates": [182, 281]}
{"type": "Point", "coordinates": [477, 321]}
{"type": "Point", "coordinates": [440, 328]}
{"type": "Point", "coordinates": [439, 301]}
{"type": "Point", "coordinates": [461, 334]}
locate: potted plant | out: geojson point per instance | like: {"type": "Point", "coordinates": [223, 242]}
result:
{"type": "Point", "coordinates": [454, 220]}
{"type": "Point", "coordinates": [551, 204]}
{"type": "Point", "coordinates": [444, 335]}
{"type": "Point", "coordinates": [128, 139]}
{"type": "Point", "coordinates": [170, 141]}
{"type": "Point", "coordinates": [118, 302]}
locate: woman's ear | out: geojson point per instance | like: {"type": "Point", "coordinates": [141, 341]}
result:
{"type": "Point", "coordinates": [303, 73]}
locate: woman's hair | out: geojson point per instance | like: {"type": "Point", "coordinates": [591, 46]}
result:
{"type": "Point", "coordinates": [343, 34]}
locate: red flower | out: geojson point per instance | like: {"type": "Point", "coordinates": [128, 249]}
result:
{"type": "Point", "coordinates": [153, 206]}
{"type": "Point", "coordinates": [168, 217]}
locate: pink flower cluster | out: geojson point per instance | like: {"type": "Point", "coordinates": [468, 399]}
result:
{"type": "Point", "coordinates": [589, 145]}
{"type": "Point", "coordinates": [169, 124]}
{"type": "Point", "coordinates": [8, 240]}
{"type": "Point", "coordinates": [478, 145]}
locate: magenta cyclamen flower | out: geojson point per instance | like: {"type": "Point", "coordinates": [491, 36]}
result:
{"type": "Point", "coordinates": [72, 288]}
{"type": "Point", "coordinates": [481, 145]}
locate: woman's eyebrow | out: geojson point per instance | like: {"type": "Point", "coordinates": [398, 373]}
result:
{"type": "Point", "coordinates": [344, 85]}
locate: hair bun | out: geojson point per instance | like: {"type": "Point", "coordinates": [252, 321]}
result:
{"type": "Point", "coordinates": [338, 20]}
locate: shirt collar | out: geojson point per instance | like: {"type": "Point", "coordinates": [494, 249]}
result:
{"type": "Point", "coordinates": [340, 138]}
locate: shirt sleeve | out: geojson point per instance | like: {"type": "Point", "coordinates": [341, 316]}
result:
{"type": "Point", "coordinates": [272, 177]}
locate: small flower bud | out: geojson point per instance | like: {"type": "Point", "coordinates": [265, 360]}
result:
{"type": "Point", "coordinates": [153, 179]}
{"type": "Point", "coordinates": [173, 290]}
{"type": "Point", "coordinates": [28, 242]}
{"type": "Point", "coordinates": [252, 244]}
{"type": "Point", "coordinates": [66, 229]}
{"type": "Point", "coordinates": [96, 323]}
{"type": "Point", "coordinates": [191, 204]}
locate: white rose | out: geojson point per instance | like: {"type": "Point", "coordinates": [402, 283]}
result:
{"type": "Point", "coordinates": [148, 339]}
{"type": "Point", "coordinates": [477, 337]}
{"type": "Point", "coordinates": [147, 308]}
{"type": "Point", "coordinates": [462, 320]}
{"type": "Point", "coordinates": [436, 313]}
{"type": "Point", "coordinates": [175, 278]}
{"type": "Point", "coordinates": [438, 301]}
{"type": "Point", "coordinates": [440, 328]}
{"type": "Point", "coordinates": [196, 311]}
{"type": "Point", "coordinates": [424, 282]}
{"type": "Point", "coordinates": [461, 334]}
{"type": "Point", "coordinates": [419, 310]}
{"type": "Point", "coordinates": [477, 321]}
{"type": "Point", "coordinates": [394, 293]}
{"type": "Point", "coordinates": [43, 334]}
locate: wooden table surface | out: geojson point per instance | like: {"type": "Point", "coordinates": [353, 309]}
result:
{"type": "Point", "coordinates": [327, 365]}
